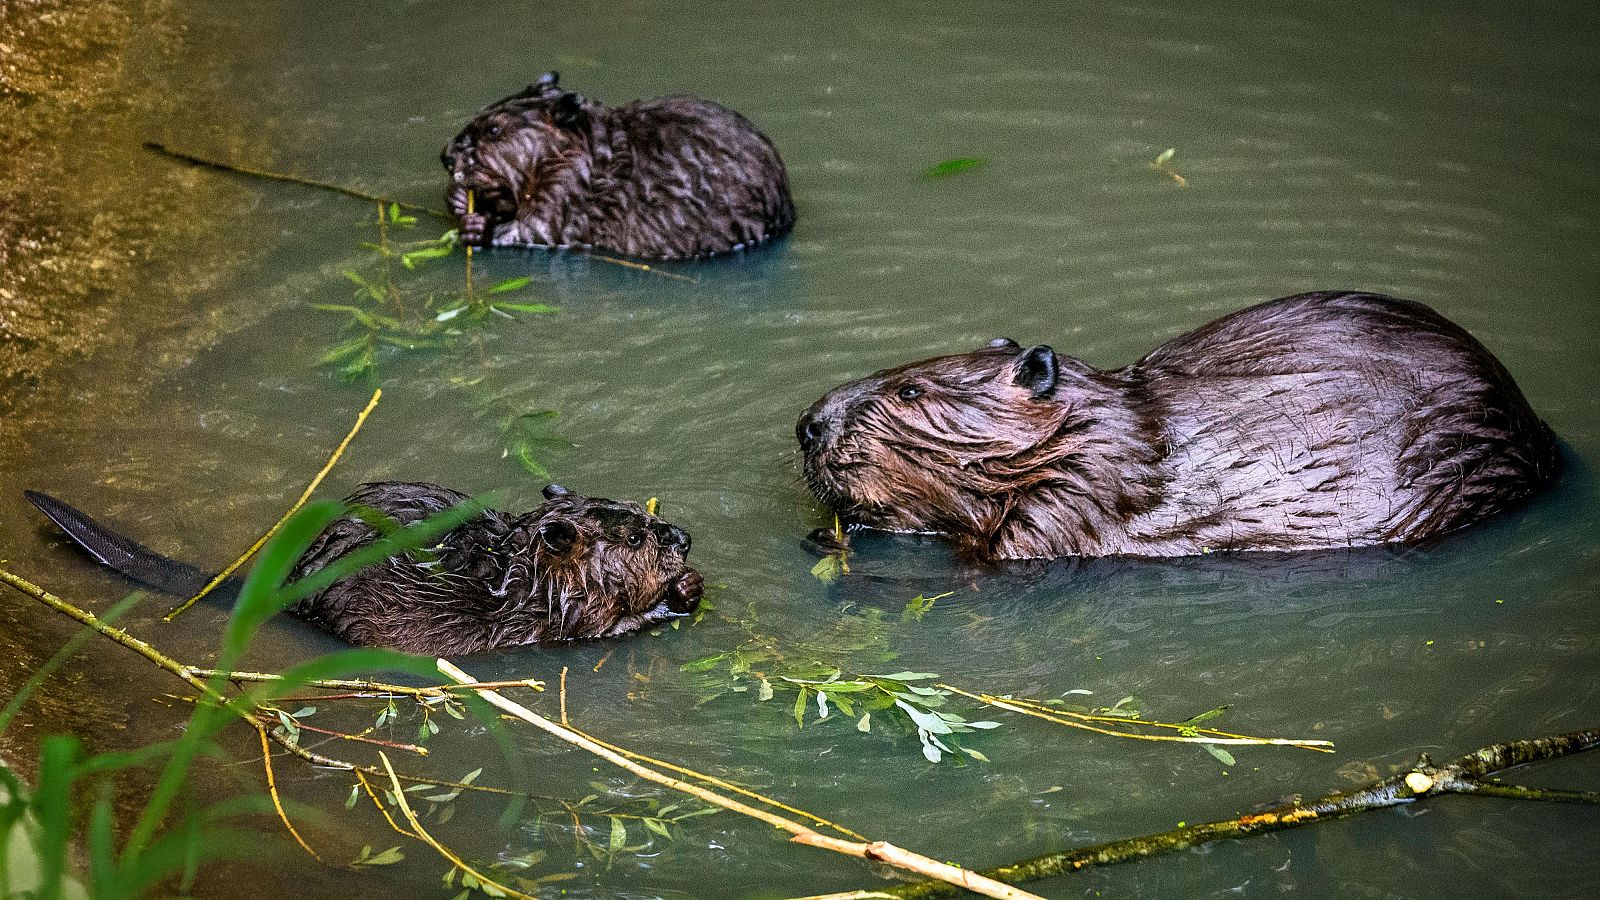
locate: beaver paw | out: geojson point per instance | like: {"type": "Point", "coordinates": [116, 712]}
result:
{"type": "Point", "coordinates": [683, 595]}
{"type": "Point", "coordinates": [456, 198]}
{"type": "Point", "coordinates": [474, 229]}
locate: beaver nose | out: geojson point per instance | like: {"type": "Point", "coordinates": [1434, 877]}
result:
{"type": "Point", "coordinates": [811, 430]}
{"type": "Point", "coordinates": [673, 538]}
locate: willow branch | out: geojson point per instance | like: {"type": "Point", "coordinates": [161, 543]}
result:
{"type": "Point", "coordinates": [1084, 722]}
{"type": "Point", "coordinates": [442, 850]}
{"type": "Point", "coordinates": [236, 169]}
{"type": "Point", "coordinates": [1423, 781]}
{"type": "Point", "coordinates": [879, 851]}
{"type": "Point", "coordinates": [439, 214]}
{"type": "Point", "coordinates": [304, 496]}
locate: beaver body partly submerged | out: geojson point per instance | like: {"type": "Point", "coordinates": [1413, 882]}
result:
{"type": "Point", "coordinates": [668, 178]}
{"type": "Point", "coordinates": [576, 567]}
{"type": "Point", "coordinates": [1320, 420]}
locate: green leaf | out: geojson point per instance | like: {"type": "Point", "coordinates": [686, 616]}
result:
{"type": "Point", "coordinates": [703, 664]}
{"type": "Point", "coordinates": [411, 258]}
{"type": "Point", "coordinates": [952, 166]}
{"type": "Point", "coordinates": [1222, 755]}
{"type": "Point", "coordinates": [511, 284]}
{"type": "Point", "coordinates": [864, 724]}
{"type": "Point", "coordinates": [1165, 157]}
{"type": "Point", "coordinates": [765, 691]}
{"type": "Point", "coordinates": [450, 313]}
{"type": "Point", "coordinates": [974, 754]}
{"type": "Point", "coordinates": [909, 676]}
{"type": "Point", "coordinates": [828, 569]}
{"type": "Point", "coordinates": [525, 307]}
{"type": "Point", "coordinates": [387, 857]}
{"type": "Point", "coordinates": [619, 835]}
{"type": "Point", "coordinates": [800, 709]}
{"type": "Point", "coordinates": [1206, 716]}
{"type": "Point", "coordinates": [659, 827]}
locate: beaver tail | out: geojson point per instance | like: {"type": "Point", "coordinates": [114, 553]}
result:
{"type": "Point", "coordinates": [127, 556]}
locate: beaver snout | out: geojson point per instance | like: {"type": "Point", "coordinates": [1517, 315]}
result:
{"type": "Point", "coordinates": [813, 429]}
{"type": "Point", "coordinates": [672, 537]}
{"type": "Point", "coordinates": [684, 594]}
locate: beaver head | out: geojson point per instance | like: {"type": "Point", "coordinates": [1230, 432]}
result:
{"type": "Point", "coordinates": [966, 445]}
{"type": "Point", "coordinates": [511, 152]}
{"type": "Point", "coordinates": [605, 567]}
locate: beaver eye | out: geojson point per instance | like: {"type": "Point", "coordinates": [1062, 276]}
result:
{"type": "Point", "coordinates": [910, 392]}
{"type": "Point", "coordinates": [494, 131]}
{"type": "Point", "coordinates": [635, 538]}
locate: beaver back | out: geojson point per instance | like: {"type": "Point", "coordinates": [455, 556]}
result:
{"type": "Point", "coordinates": [1314, 421]}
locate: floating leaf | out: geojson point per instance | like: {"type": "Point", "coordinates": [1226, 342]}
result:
{"type": "Point", "coordinates": [1206, 716]}
{"type": "Point", "coordinates": [619, 835]}
{"type": "Point", "coordinates": [974, 754]}
{"type": "Point", "coordinates": [1222, 755]}
{"type": "Point", "coordinates": [511, 284]}
{"type": "Point", "coordinates": [387, 857]}
{"type": "Point", "coordinates": [1165, 157]}
{"type": "Point", "coordinates": [828, 569]}
{"type": "Point", "coordinates": [525, 307]}
{"type": "Point", "coordinates": [952, 166]}
{"type": "Point", "coordinates": [765, 691]}
{"type": "Point", "coordinates": [864, 724]}
{"type": "Point", "coordinates": [703, 664]}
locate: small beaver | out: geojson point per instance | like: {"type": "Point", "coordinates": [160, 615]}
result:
{"type": "Point", "coordinates": [669, 178]}
{"type": "Point", "coordinates": [1320, 420]}
{"type": "Point", "coordinates": [576, 567]}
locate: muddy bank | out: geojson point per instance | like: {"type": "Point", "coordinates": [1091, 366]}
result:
{"type": "Point", "coordinates": [94, 230]}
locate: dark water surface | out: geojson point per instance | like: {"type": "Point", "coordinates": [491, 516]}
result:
{"type": "Point", "coordinates": [1444, 155]}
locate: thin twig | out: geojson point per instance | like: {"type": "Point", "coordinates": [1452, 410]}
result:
{"type": "Point", "coordinates": [1077, 720]}
{"type": "Point", "coordinates": [188, 675]}
{"type": "Point", "coordinates": [879, 851]}
{"type": "Point", "coordinates": [411, 817]}
{"type": "Point", "coordinates": [725, 785]}
{"type": "Point", "coordinates": [293, 179]}
{"type": "Point", "coordinates": [374, 689]}
{"type": "Point", "coordinates": [304, 496]}
{"type": "Point", "coordinates": [367, 786]}
{"type": "Point", "coordinates": [272, 789]}
{"type": "Point", "coordinates": [441, 215]}
{"type": "Point", "coordinates": [564, 695]}
{"type": "Point", "coordinates": [361, 738]}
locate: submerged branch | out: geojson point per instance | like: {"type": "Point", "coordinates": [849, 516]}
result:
{"type": "Point", "coordinates": [439, 214]}
{"type": "Point", "coordinates": [1424, 780]}
{"type": "Point", "coordinates": [1190, 735]}
{"type": "Point", "coordinates": [880, 851]}
{"type": "Point", "coordinates": [221, 166]}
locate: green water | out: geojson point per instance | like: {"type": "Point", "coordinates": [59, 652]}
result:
{"type": "Point", "coordinates": [1443, 155]}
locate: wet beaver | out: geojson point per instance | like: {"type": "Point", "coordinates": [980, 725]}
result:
{"type": "Point", "coordinates": [669, 178]}
{"type": "Point", "coordinates": [576, 567]}
{"type": "Point", "coordinates": [1320, 420]}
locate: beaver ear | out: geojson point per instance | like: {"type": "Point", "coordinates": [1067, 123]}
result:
{"type": "Point", "coordinates": [558, 535]}
{"type": "Point", "coordinates": [552, 491]}
{"type": "Point", "coordinates": [543, 85]}
{"type": "Point", "coordinates": [1005, 344]}
{"type": "Point", "coordinates": [567, 113]}
{"type": "Point", "coordinates": [1036, 370]}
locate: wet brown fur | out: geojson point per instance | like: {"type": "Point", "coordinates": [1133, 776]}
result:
{"type": "Point", "coordinates": [667, 178]}
{"type": "Point", "coordinates": [1315, 421]}
{"type": "Point", "coordinates": [576, 567]}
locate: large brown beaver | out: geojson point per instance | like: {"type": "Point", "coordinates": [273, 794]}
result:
{"type": "Point", "coordinates": [576, 567]}
{"type": "Point", "coordinates": [1315, 421]}
{"type": "Point", "coordinates": [669, 178]}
